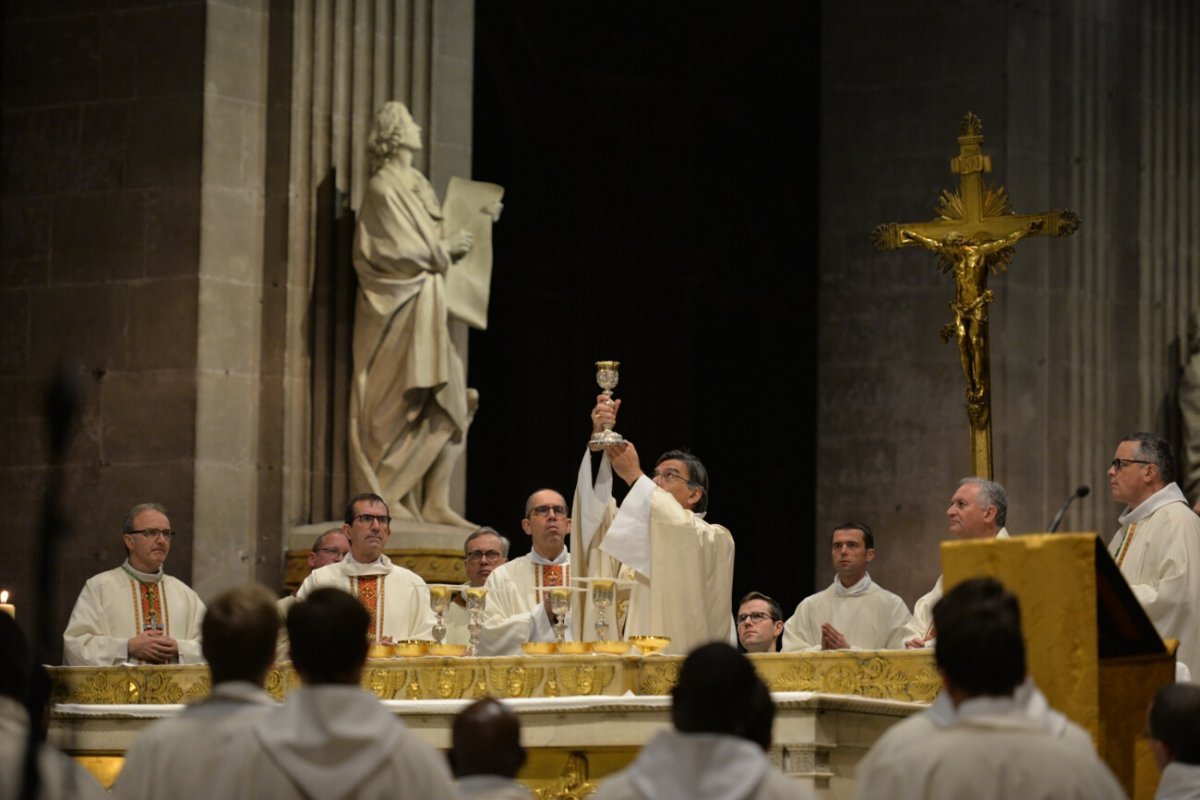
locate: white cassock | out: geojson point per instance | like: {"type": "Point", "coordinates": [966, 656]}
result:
{"type": "Point", "coordinates": [396, 598]}
{"type": "Point", "coordinates": [62, 778]}
{"type": "Point", "coordinates": [681, 566]}
{"type": "Point", "coordinates": [456, 619]}
{"type": "Point", "coordinates": [1158, 551]}
{"type": "Point", "coordinates": [515, 612]}
{"type": "Point", "coordinates": [175, 757]}
{"type": "Point", "coordinates": [700, 766]}
{"type": "Point", "coordinates": [117, 605]}
{"type": "Point", "coordinates": [330, 742]}
{"type": "Point", "coordinates": [989, 748]}
{"type": "Point", "coordinates": [492, 787]}
{"type": "Point", "coordinates": [1179, 781]}
{"type": "Point", "coordinates": [870, 617]}
{"type": "Point", "coordinates": [922, 616]}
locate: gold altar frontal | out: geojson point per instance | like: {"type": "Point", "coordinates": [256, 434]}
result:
{"type": "Point", "coordinates": [584, 716]}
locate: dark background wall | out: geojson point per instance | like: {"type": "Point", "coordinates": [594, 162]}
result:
{"type": "Point", "coordinates": [661, 210]}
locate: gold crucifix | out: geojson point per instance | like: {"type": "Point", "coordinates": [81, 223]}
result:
{"type": "Point", "coordinates": [975, 232]}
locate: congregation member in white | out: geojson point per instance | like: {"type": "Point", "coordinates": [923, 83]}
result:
{"type": "Point", "coordinates": [759, 623]}
{"type": "Point", "coordinates": [486, 752]}
{"type": "Point", "coordinates": [855, 613]}
{"type": "Point", "coordinates": [396, 598]}
{"type": "Point", "coordinates": [977, 510]}
{"type": "Point", "coordinates": [136, 612]}
{"type": "Point", "coordinates": [990, 734]}
{"type": "Point", "coordinates": [518, 605]}
{"type": "Point", "coordinates": [1158, 545]}
{"type": "Point", "coordinates": [174, 757]}
{"type": "Point", "coordinates": [721, 716]}
{"type": "Point", "coordinates": [329, 739]}
{"type": "Point", "coordinates": [1174, 733]}
{"type": "Point", "coordinates": [679, 565]}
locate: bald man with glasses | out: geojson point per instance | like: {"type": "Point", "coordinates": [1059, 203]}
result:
{"type": "Point", "coordinates": [518, 600]}
{"type": "Point", "coordinates": [136, 613]}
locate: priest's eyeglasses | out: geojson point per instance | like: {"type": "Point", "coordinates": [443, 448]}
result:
{"type": "Point", "coordinates": [367, 519]}
{"type": "Point", "coordinates": [154, 533]}
{"type": "Point", "coordinates": [484, 555]}
{"type": "Point", "coordinates": [672, 475]}
{"type": "Point", "coordinates": [754, 616]}
{"type": "Point", "coordinates": [542, 511]}
{"type": "Point", "coordinates": [1118, 464]}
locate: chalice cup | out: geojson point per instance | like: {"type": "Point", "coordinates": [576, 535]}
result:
{"type": "Point", "coordinates": [606, 376]}
{"type": "Point", "coordinates": [476, 601]}
{"type": "Point", "coordinates": [560, 604]}
{"type": "Point", "coordinates": [439, 603]}
{"type": "Point", "coordinates": [603, 592]}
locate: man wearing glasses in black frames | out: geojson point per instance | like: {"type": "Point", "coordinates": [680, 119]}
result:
{"type": "Point", "coordinates": [136, 612]}
{"type": "Point", "coordinates": [759, 623]}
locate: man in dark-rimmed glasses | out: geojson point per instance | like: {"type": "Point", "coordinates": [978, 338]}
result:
{"type": "Point", "coordinates": [136, 612]}
{"type": "Point", "coordinates": [759, 623]}
{"type": "Point", "coordinates": [1158, 545]}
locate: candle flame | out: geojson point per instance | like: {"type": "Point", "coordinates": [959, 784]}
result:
{"type": "Point", "coordinates": [4, 596]}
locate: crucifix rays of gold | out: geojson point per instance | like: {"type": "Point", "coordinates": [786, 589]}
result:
{"type": "Point", "coordinates": [974, 234]}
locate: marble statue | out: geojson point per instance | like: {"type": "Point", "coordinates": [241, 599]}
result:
{"type": "Point", "coordinates": [409, 402]}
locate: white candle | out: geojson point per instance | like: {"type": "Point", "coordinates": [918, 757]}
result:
{"type": "Point", "coordinates": [7, 607]}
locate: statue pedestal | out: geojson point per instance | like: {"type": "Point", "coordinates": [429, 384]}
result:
{"type": "Point", "coordinates": [433, 551]}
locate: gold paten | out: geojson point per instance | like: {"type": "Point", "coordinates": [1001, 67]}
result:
{"type": "Point", "coordinates": [974, 233]}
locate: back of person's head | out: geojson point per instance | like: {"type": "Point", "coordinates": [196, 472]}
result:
{"type": "Point", "coordinates": [716, 693]}
{"type": "Point", "coordinates": [328, 636]}
{"type": "Point", "coordinates": [238, 634]}
{"type": "Point", "coordinates": [761, 719]}
{"type": "Point", "coordinates": [1175, 721]}
{"type": "Point", "coordinates": [980, 650]}
{"type": "Point", "coordinates": [487, 740]}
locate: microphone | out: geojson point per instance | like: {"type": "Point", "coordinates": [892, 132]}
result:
{"type": "Point", "coordinates": [1082, 491]}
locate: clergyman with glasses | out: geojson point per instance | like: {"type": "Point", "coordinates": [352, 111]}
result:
{"type": "Point", "coordinates": [518, 601]}
{"type": "Point", "coordinates": [1158, 545]}
{"type": "Point", "coordinates": [678, 565]}
{"type": "Point", "coordinates": [483, 550]}
{"type": "Point", "coordinates": [759, 623]}
{"type": "Point", "coordinates": [136, 613]}
{"type": "Point", "coordinates": [395, 598]}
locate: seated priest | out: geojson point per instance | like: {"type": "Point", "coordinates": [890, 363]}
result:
{"type": "Point", "coordinates": [136, 612]}
{"type": "Point", "coordinates": [518, 603]}
{"type": "Point", "coordinates": [855, 613]}
{"type": "Point", "coordinates": [486, 752]}
{"type": "Point", "coordinates": [677, 566]}
{"type": "Point", "coordinates": [759, 623]}
{"type": "Point", "coordinates": [396, 598]}
{"type": "Point", "coordinates": [328, 548]}
{"type": "Point", "coordinates": [1174, 733]}
{"type": "Point", "coordinates": [990, 734]}
{"type": "Point", "coordinates": [483, 551]}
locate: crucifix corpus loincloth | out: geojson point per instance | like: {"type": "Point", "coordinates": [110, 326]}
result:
{"type": "Point", "coordinates": [975, 232]}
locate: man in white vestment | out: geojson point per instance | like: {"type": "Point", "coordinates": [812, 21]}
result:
{"type": "Point", "coordinates": [518, 603]}
{"type": "Point", "coordinates": [977, 510]}
{"type": "Point", "coordinates": [486, 752]}
{"type": "Point", "coordinates": [396, 598]}
{"type": "Point", "coordinates": [679, 566]}
{"type": "Point", "coordinates": [1158, 545]}
{"type": "Point", "coordinates": [136, 612]}
{"type": "Point", "coordinates": [483, 551]}
{"type": "Point", "coordinates": [855, 613]}
{"type": "Point", "coordinates": [329, 548]}
{"type": "Point", "coordinates": [759, 623]}
{"type": "Point", "coordinates": [990, 734]}
{"type": "Point", "coordinates": [175, 757]}
{"type": "Point", "coordinates": [330, 739]}
{"type": "Point", "coordinates": [721, 714]}
{"type": "Point", "coordinates": [1174, 733]}
{"type": "Point", "coordinates": [58, 776]}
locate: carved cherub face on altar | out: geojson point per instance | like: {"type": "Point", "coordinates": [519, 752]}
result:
{"type": "Point", "coordinates": [368, 532]}
{"type": "Point", "coordinates": [546, 522]}
{"type": "Point", "coordinates": [149, 543]}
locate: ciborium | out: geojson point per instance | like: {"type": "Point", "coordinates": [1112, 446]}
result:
{"type": "Point", "coordinates": [606, 376]}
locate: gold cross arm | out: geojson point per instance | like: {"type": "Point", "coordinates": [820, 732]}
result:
{"type": "Point", "coordinates": [1058, 222]}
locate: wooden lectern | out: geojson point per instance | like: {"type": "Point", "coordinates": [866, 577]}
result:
{"type": "Point", "coordinates": [1090, 647]}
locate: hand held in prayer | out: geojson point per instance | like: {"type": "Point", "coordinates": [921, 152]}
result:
{"type": "Point", "coordinates": [154, 647]}
{"type": "Point", "coordinates": [832, 639]}
{"type": "Point", "coordinates": [624, 460]}
{"type": "Point", "coordinates": [916, 643]}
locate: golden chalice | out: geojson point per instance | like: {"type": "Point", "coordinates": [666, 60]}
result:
{"type": "Point", "coordinates": [649, 645]}
{"type": "Point", "coordinates": [440, 595]}
{"type": "Point", "coordinates": [476, 601]}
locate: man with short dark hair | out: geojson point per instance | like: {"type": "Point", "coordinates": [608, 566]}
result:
{"type": "Point", "coordinates": [1158, 545]}
{"type": "Point", "coordinates": [174, 757]}
{"type": "Point", "coordinates": [518, 599]}
{"type": "Point", "coordinates": [329, 739]}
{"type": "Point", "coordinates": [978, 510]}
{"type": "Point", "coordinates": [759, 623]}
{"type": "Point", "coordinates": [396, 598]}
{"type": "Point", "coordinates": [136, 612]}
{"type": "Point", "coordinates": [990, 734]}
{"type": "Point", "coordinates": [1174, 732]}
{"type": "Point", "coordinates": [720, 712]}
{"type": "Point", "coordinates": [486, 752]}
{"type": "Point", "coordinates": [855, 612]}
{"type": "Point", "coordinates": [678, 567]}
